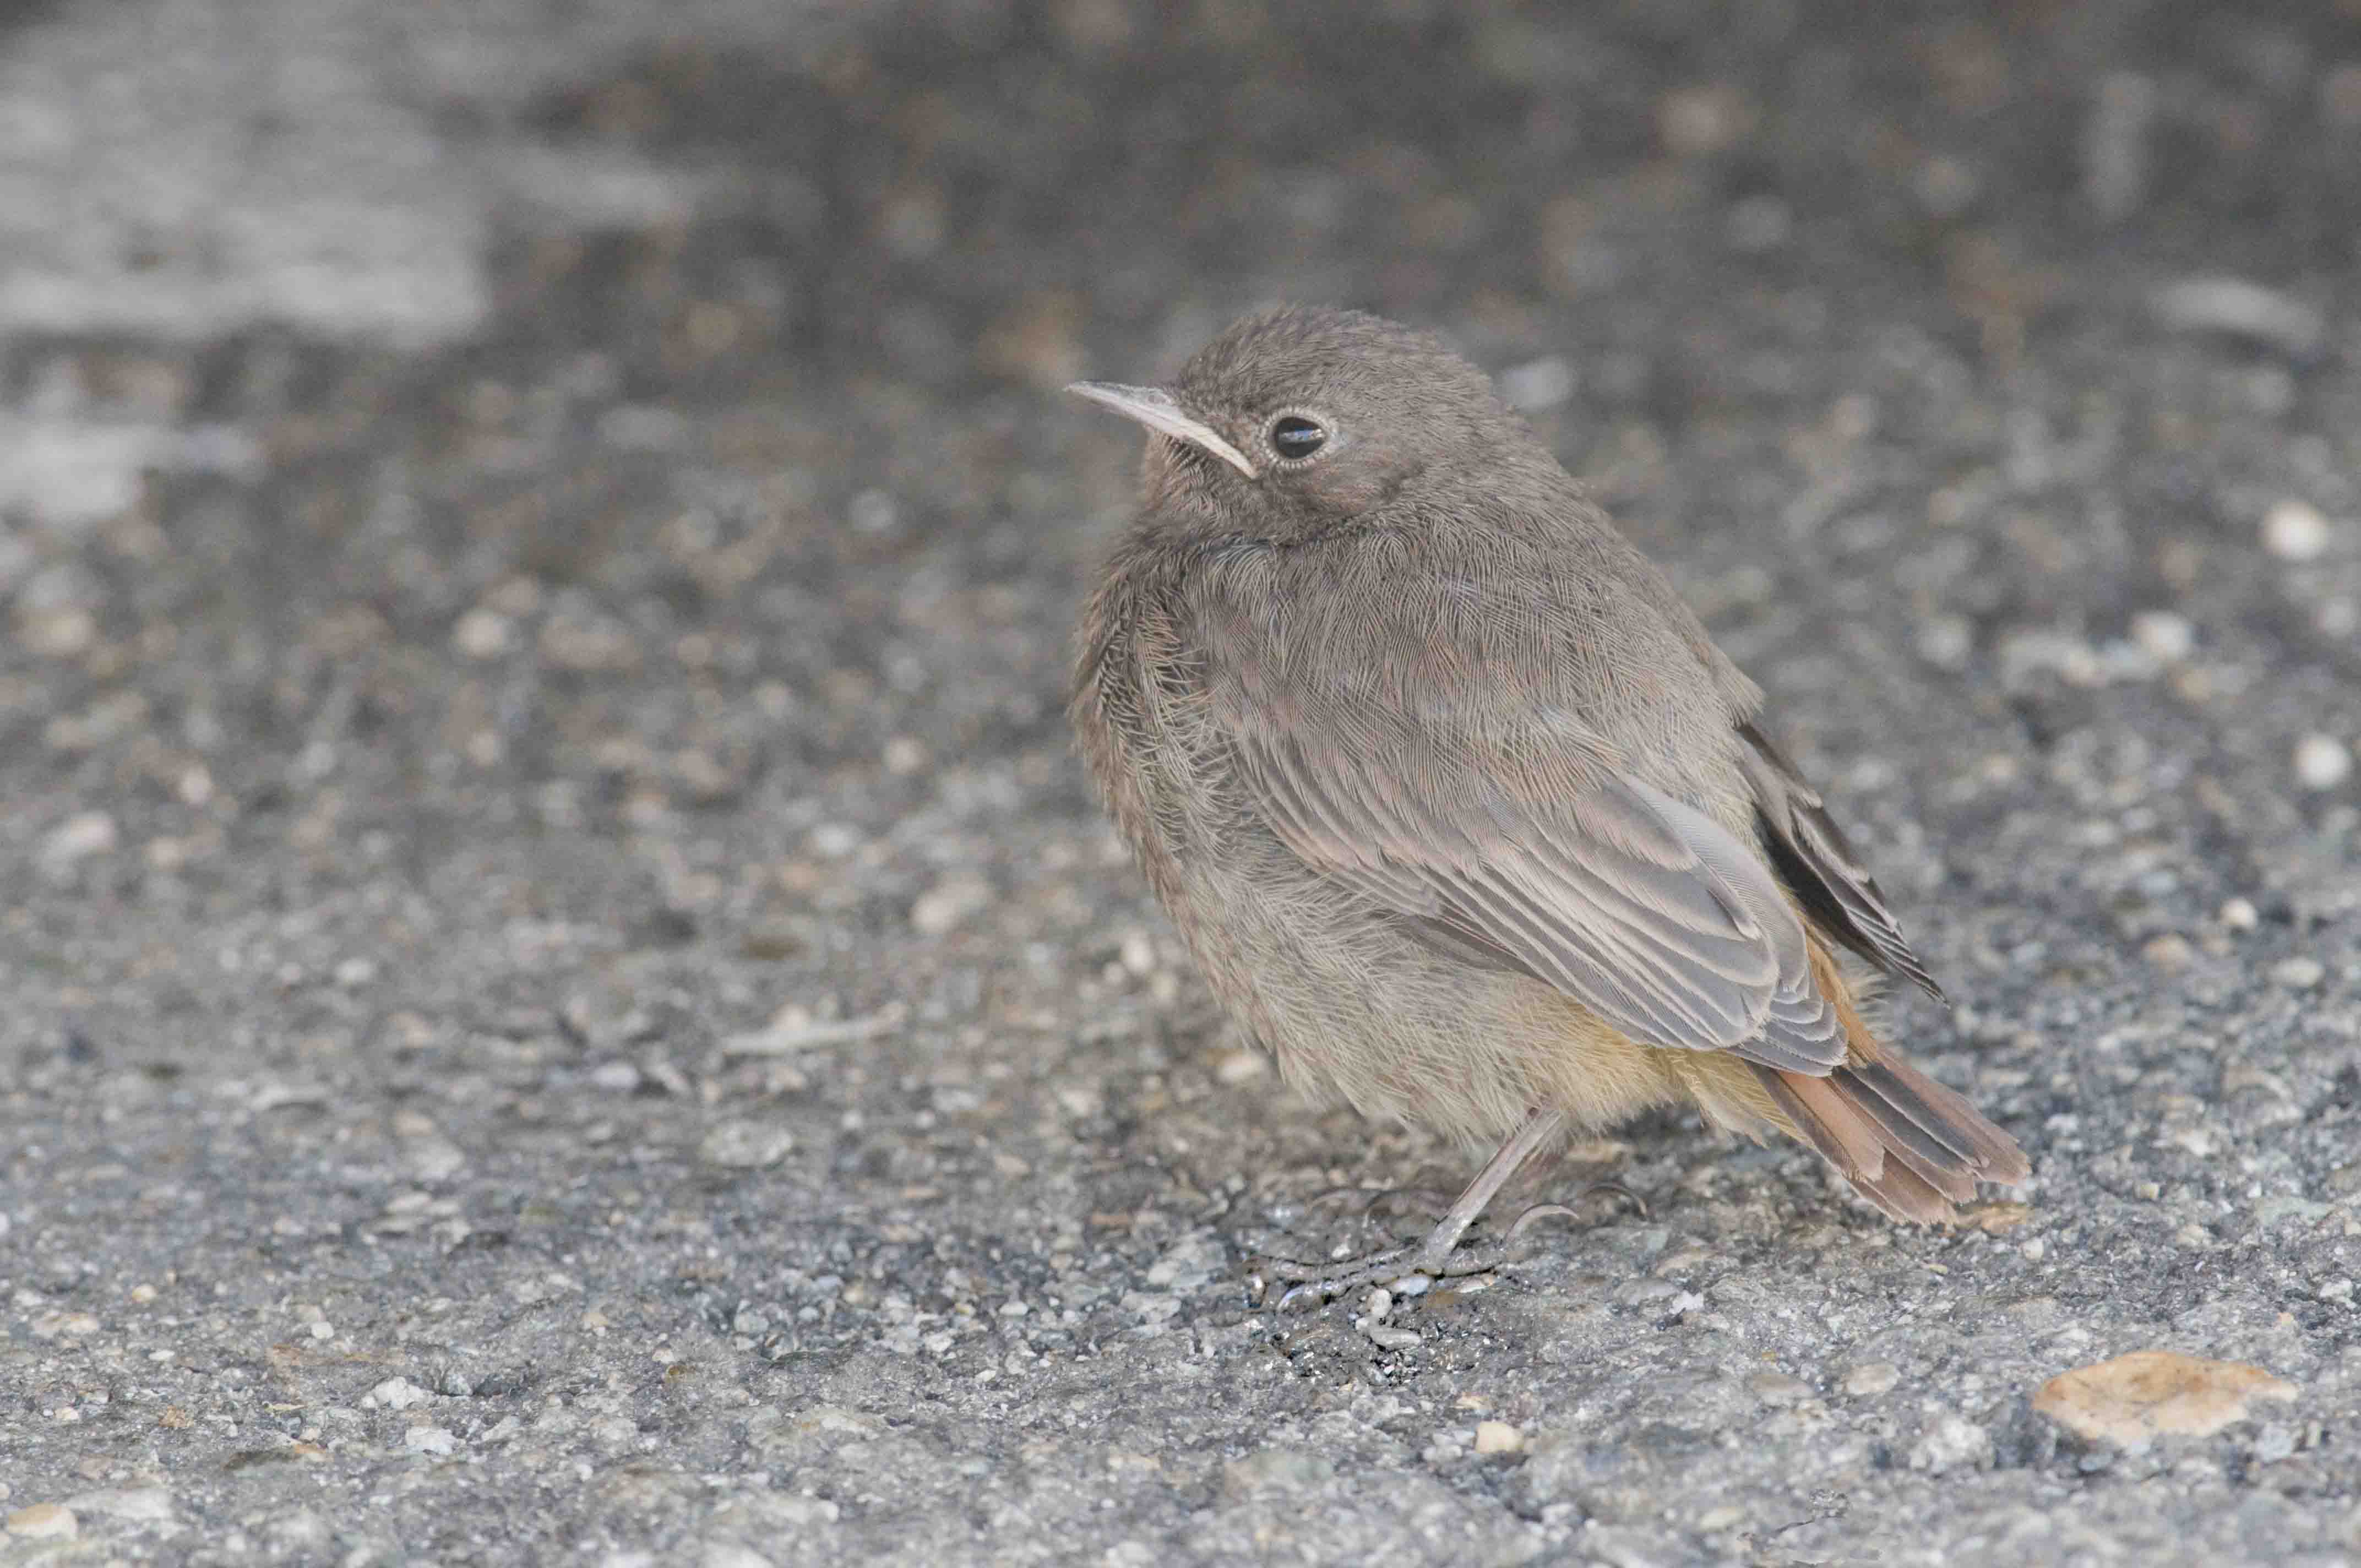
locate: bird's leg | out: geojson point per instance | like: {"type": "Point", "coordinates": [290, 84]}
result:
{"type": "Point", "coordinates": [1432, 1258]}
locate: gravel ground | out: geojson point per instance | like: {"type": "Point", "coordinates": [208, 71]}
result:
{"type": "Point", "coordinates": [568, 1002]}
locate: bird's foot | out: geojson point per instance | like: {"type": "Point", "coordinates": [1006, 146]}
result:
{"type": "Point", "coordinates": [1409, 1270]}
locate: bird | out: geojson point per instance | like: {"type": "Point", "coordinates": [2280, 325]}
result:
{"type": "Point", "coordinates": [1456, 805]}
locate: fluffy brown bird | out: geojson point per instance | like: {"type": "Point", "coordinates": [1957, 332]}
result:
{"type": "Point", "coordinates": [1462, 813]}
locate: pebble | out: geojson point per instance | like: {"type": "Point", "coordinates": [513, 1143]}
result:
{"type": "Point", "coordinates": [1946, 642]}
{"type": "Point", "coordinates": [430, 1440]}
{"type": "Point", "coordinates": [1707, 118]}
{"type": "Point", "coordinates": [45, 1521]}
{"type": "Point", "coordinates": [948, 903]}
{"type": "Point", "coordinates": [2295, 530]}
{"type": "Point", "coordinates": [2170, 953]}
{"type": "Point", "coordinates": [1240, 1066]}
{"type": "Point", "coordinates": [140, 1505]}
{"type": "Point", "coordinates": [395, 1394]}
{"type": "Point", "coordinates": [1951, 1442]}
{"type": "Point", "coordinates": [2321, 761]}
{"type": "Point", "coordinates": [77, 839]}
{"type": "Point", "coordinates": [2165, 637]}
{"type": "Point", "coordinates": [483, 634]}
{"type": "Point", "coordinates": [746, 1144]}
{"type": "Point", "coordinates": [1499, 1437]}
{"type": "Point", "coordinates": [2241, 309]}
{"type": "Point", "coordinates": [1778, 1388]}
{"type": "Point", "coordinates": [2274, 1442]}
{"type": "Point", "coordinates": [1386, 1336]}
{"type": "Point", "coordinates": [2299, 973]}
{"type": "Point", "coordinates": [2240, 915]}
{"type": "Point", "coordinates": [1538, 384]}
{"type": "Point", "coordinates": [615, 1077]}
{"type": "Point", "coordinates": [793, 1028]}
{"type": "Point", "coordinates": [1870, 1379]}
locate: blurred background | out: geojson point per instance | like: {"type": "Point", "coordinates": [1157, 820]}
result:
{"type": "Point", "coordinates": [538, 544]}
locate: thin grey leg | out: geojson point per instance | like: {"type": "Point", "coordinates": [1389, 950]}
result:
{"type": "Point", "coordinates": [1433, 1256]}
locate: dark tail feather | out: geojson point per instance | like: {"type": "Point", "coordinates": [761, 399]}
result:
{"type": "Point", "coordinates": [1904, 1194]}
{"type": "Point", "coordinates": [1925, 1147]}
{"type": "Point", "coordinates": [1942, 1117]}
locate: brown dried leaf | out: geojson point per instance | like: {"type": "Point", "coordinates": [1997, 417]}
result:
{"type": "Point", "coordinates": [2156, 1393]}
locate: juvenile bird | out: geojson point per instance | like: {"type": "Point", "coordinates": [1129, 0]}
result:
{"type": "Point", "coordinates": [1461, 812]}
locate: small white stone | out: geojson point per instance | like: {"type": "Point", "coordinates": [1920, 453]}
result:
{"type": "Point", "coordinates": [430, 1440]}
{"type": "Point", "coordinates": [2165, 637]}
{"type": "Point", "coordinates": [78, 838]}
{"type": "Point", "coordinates": [2239, 915]}
{"type": "Point", "coordinates": [1871, 1379]}
{"type": "Point", "coordinates": [948, 903]}
{"type": "Point", "coordinates": [2295, 530]}
{"type": "Point", "coordinates": [615, 1077]}
{"type": "Point", "coordinates": [1240, 1066]}
{"type": "Point", "coordinates": [398, 1393]}
{"type": "Point", "coordinates": [141, 1504]}
{"type": "Point", "coordinates": [2300, 973]}
{"type": "Point", "coordinates": [483, 634]}
{"type": "Point", "coordinates": [1946, 642]}
{"type": "Point", "coordinates": [1538, 383]}
{"type": "Point", "coordinates": [746, 1145]}
{"type": "Point", "coordinates": [873, 511]}
{"type": "Point", "coordinates": [45, 1521]}
{"type": "Point", "coordinates": [834, 840]}
{"type": "Point", "coordinates": [1951, 1442]}
{"type": "Point", "coordinates": [2321, 761]}
{"type": "Point", "coordinates": [1497, 1437]}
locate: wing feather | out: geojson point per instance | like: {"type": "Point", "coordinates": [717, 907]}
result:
{"type": "Point", "coordinates": [1641, 908]}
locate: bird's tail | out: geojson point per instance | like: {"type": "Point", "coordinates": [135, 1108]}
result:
{"type": "Point", "coordinates": [1910, 1146]}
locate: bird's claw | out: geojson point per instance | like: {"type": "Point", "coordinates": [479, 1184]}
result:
{"type": "Point", "coordinates": [1318, 1282]}
{"type": "Point", "coordinates": [1403, 1270]}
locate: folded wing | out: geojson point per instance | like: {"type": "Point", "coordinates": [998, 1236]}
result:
{"type": "Point", "coordinates": [1634, 904]}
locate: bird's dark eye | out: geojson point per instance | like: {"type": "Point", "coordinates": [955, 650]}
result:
{"type": "Point", "coordinates": [1292, 435]}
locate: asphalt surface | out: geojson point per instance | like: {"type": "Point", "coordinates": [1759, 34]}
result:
{"type": "Point", "coordinates": [566, 1001]}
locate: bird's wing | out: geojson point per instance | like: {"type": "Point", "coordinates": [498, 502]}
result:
{"type": "Point", "coordinates": [1821, 867]}
{"type": "Point", "coordinates": [1632, 903]}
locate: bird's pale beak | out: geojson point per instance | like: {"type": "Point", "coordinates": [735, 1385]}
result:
{"type": "Point", "coordinates": [1154, 407]}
